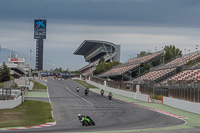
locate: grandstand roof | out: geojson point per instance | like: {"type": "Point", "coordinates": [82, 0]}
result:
{"type": "Point", "coordinates": [87, 45]}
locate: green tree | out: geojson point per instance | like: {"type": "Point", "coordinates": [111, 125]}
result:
{"type": "Point", "coordinates": [5, 73]}
{"type": "Point", "coordinates": [142, 53]}
{"type": "Point", "coordinates": [171, 52]}
{"type": "Point", "coordinates": [103, 67]}
{"type": "Point", "coordinates": [101, 60]}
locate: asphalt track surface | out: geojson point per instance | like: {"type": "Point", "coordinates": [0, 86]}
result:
{"type": "Point", "coordinates": [109, 115]}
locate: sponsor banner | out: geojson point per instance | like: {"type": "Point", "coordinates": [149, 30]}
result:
{"type": "Point", "coordinates": [16, 59]}
{"type": "Point", "coordinates": [40, 29]}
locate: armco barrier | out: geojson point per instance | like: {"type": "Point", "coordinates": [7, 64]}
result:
{"type": "Point", "coordinates": [129, 94]}
{"type": "Point", "coordinates": [184, 105]}
{"type": "Point", "coordinates": [8, 104]}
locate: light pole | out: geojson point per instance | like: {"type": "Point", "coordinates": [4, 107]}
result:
{"type": "Point", "coordinates": [189, 52]}
{"type": "Point", "coordinates": [197, 48]}
{"type": "Point", "coordinates": [30, 64]}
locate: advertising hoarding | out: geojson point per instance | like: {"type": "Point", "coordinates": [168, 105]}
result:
{"type": "Point", "coordinates": [40, 29]}
{"type": "Point", "coordinates": [16, 60]}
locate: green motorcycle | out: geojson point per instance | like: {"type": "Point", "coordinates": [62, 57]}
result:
{"type": "Point", "coordinates": [86, 120]}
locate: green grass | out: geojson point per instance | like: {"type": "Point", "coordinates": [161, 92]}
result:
{"type": "Point", "coordinates": [1, 85]}
{"type": "Point", "coordinates": [158, 97]}
{"type": "Point", "coordinates": [83, 83]}
{"type": "Point", "coordinates": [29, 113]}
{"type": "Point", "coordinates": [38, 86]}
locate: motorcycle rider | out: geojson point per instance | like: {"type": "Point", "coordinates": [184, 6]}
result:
{"type": "Point", "coordinates": [77, 89]}
{"type": "Point", "coordinates": [80, 116]}
{"type": "Point", "coordinates": [86, 90]}
{"type": "Point", "coordinates": [102, 92]}
{"type": "Point", "coordinates": [85, 118]}
{"type": "Point", "coordinates": [110, 95]}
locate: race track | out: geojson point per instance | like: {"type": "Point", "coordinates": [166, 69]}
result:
{"type": "Point", "coordinates": [109, 115]}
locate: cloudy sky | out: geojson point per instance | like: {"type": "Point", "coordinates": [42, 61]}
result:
{"type": "Point", "coordinates": [136, 25]}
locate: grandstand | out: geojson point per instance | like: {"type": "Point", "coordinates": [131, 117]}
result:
{"type": "Point", "coordinates": [131, 68]}
{"type": "Point", "coordinates": [93, 50]}
{"type": "Point", "coordinates": [186, 75]}
{"type": "Point", "coordinates": [173, 71]}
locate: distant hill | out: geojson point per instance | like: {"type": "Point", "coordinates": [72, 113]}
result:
{"type": "Point", "coordinates": [5, 53]}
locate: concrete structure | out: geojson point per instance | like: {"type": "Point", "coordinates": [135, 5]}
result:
{"type": "Point", "coordinates": [39, 54]}
{"type": "Point", "coordinates": [183, 105]}
{"type": "Point", "coordinates": [93, 50]}
{"type": "Point", "coordinates": [9, 104]}
{"type": "Point", "coordinates": [138, 96]}
{"type": "Point", "coordinates": [15, 69]}
{"type": "Point", "coordinates": [20, 62]}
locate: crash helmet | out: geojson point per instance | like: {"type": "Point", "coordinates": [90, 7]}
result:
{"type": "Point", "coordinates": [79, 115]}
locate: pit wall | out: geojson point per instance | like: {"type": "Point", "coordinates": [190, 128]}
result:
{"type": "Point", "coordinates": [138, 96]}
{"type": "Point", "coordinates": [183, 105]}
{"type": "Point", "coordinates": [8, 104]}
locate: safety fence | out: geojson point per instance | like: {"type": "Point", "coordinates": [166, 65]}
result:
{"type": "Point", "coordinates": [188, 91]}
{"type": "Point", "coordinates": [9, 84]}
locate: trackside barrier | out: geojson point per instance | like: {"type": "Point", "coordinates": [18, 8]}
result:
{"type": "Point", "coordinates": [8, 104]}
{"type": "Point", "coordinates": [77, 78]}
{"type": "Point", "coordinates": [184, 105]}
{"type": "Point", "coordinates": [129, 94]}
{"type": "Point", "coordinates": [31, 85]}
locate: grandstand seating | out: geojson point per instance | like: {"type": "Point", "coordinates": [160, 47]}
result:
{"type": "Point", "coordinates": [154, 75]}
{"type": "Point", "coordinates": [120, 70]}
{"type": "Point", "coordinates": [186, 75]}
{"type": "Point", "coordinates": [130, 65]}
{"type": "Point", "coordinates": [195, 66]}
{"type": "Point", "coordinates": [179, 62]}
{"type": "Point", "coordinates": [144, 58]}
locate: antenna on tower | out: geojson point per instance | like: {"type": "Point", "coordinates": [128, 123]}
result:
{"type": "Point", "coordinates": [30, 64]}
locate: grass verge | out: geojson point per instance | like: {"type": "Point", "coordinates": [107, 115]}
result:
{"type": "Point", "coordinates": [83, 83]}
{"type": "Point", "coordinates": [38, 85]}
{"type": "Point", "coordinates": [1, 84]}
{"type": "Point", "coordinates": [29, 113]}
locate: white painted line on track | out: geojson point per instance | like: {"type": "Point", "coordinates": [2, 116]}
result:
{"type": "Point", "coordinates": [49, 98]}
{"type": "Point", "coordinates": [74, 94]}
{"type": "Point", "coordinates": [79, 96]}
{"type": "Point", "coordinates": [50, 102]}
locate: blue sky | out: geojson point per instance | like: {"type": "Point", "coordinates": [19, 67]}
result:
{"type": "Point", "coordinates": [136, 25]}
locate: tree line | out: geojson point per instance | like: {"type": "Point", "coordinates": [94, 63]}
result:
{"type": "Point", "coordinates": [4, 73]}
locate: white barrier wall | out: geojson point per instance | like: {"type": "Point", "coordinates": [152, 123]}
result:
{"type": "Point", "coordinates": [129, 94]}
{"type": "Point", "coordinates": [9, 104]}
{"type": "Point", "coordinates": [31, 85]}
{"type": "Point", "coordinates": [76, 78]}
{"type": "Point", "coordinates": [184, 105]}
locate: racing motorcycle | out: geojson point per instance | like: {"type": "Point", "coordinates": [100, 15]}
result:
{"type": "Point", "coordinates": [102, 92]}
{"type": "Point", "coordinates": [110, 95]}
{"type": "Point", "coordinates": [86, 121]}
{"type": "Point", "coordinates": [86, 91]}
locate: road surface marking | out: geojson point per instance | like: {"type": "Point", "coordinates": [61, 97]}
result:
{"type": "Point", "coordinates": [79, 96]}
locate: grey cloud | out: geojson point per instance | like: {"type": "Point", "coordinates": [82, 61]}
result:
{"type": "Point", "coordinates": [120, 12]}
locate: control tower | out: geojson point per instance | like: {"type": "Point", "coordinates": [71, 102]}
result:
{"type": "Point", "coordinates": [39, 34]}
